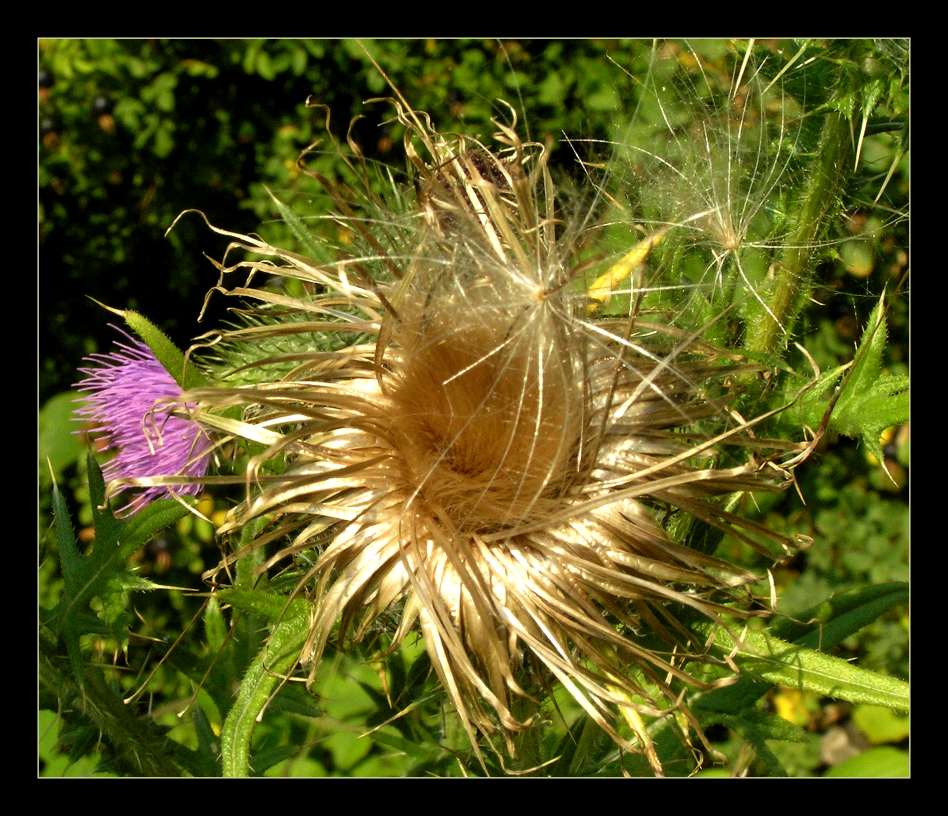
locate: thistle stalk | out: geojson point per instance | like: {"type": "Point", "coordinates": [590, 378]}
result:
{"type": "Point", "coordinates": [794, 270]}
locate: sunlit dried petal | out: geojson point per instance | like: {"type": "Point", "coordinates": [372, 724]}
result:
{"type": "Point", "coordinates": [489, 465]}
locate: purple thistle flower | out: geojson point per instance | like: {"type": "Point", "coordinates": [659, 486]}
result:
{"type": "Point", "coordinates": [130, 401]}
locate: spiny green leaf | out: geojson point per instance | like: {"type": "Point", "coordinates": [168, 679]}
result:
{"type": "Point", "coordinates": [869, 399]}
{"type": "Point", "coordinates": [185, 374]}
{"type": "Point", "coordinates": [139, 745]}
{"type": "Point", "coordinates": [820, 627]}
{"type": "Point", "coordinates": [131, 582]}
{"type": "Point", "coordinates": [106, 525]}
{"type": "Point", "coordinates": [868, 360]}
{"type": "Point", "coordinates": [104, 572]}
{"type": "Point", "coordinates": [787, 664]}
{"type": "Point", "coordinates": [71, 566]}
{"type": "Point", "coordinates": [297, 227]}
{"type": "Point", "coordinates": [151, 519]}
{"type": "Point", "coordinates": [841, 615]}
{"type": "Point", "coordinates": [768, 658]}
{"type": "Point", "coordinates": [65, 537]}
{"type": "Point", "coordinates": [809, 408]}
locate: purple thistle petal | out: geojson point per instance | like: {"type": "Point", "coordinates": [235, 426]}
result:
{"type": "Point", "coordinates": [130, 402]}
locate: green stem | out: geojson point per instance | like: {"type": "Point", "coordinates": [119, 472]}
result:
{"type": "Point", "coordinates": [273, 662]}
{"type": "Point", "coordinates": [788, 293]}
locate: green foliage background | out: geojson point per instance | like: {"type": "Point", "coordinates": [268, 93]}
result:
{"type": "Point", "coordinates": [132, 132]}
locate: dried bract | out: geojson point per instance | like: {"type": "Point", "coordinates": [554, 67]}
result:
{"type": "Point", "coordinates": [469, 449]}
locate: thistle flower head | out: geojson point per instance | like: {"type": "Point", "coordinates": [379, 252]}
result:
{"type": "Point", "coordinates": [131, 401]}
{"type": "Point", "coordinates": [484, 460]}
{"type": "Point", "coordinates": [712, 155]}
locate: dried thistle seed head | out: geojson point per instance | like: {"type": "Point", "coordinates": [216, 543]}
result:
{"type": "Point", "coordinates": [486, 431]}
{"type": "Point", "coordinates": [712, 155]}
{"type": "Point", "coordinates": [491, 461]}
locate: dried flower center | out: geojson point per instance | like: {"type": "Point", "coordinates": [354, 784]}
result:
{"type": "Point", "coordinates": [486, 431]}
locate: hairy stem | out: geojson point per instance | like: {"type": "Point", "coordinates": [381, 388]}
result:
{"type": "Point", "coordinates": [768, 333]}
{"type": "Point", "coordinates": [275, 660]}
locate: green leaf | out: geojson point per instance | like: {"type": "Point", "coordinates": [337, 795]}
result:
{"type": "Point", "coordinates": [347, 749]}
{"type": "Point", "coordinates": [876, 762]}
{"type": "Point", "coordinates": [869, 399]}
{"type": "Point", "coordinates": [843, 614]}
{"type": "Point", "coordinates": [758, 726]}
{"type": "Point", "coordinates": [880, 724]}
{"type": "Point", "coordinates": [761, 724]}
{"type": "Point", "coordinates": [54, 763]}
{"type": "Point", "coordinates": [820, 627]}
{"type": "Point", "coordinates": [267, 758]}
{"type": "Point", "coordinates": [138, 744]}
{"type": "Point", "coordinates": [215, 629]}
{"type": "Point", "coordinates": [104, 572]}
{"type": "Point", "coordinates": [106, 525]}
{"type": "Point", "coordinates": [140, 528]}
{"type": "Point", "coordinates": [207, 742]}
{"type": "Point", "coordinates": [828, 623]}
{"type": "Point", "coordinates": [868, 361]}
{"type": "Point", "coordinates": [810, 407]}
{"type": "Point", "coordinates": [185, 375]}
{"type": "Point", "coordinates": [767, 658]}
{"type": "Point", "coordinates": [71, 565]}
{"type": "Point", "coordinates": [58, 442]}
{"type": "Point", "coordinates": [65, 537]}
{"type": "Point", "coordinates": [421, 750]}
{"type": "Point", "coordinates": [294, 699]}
